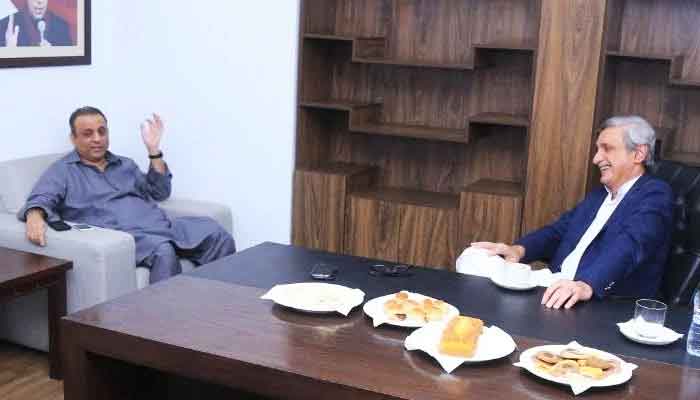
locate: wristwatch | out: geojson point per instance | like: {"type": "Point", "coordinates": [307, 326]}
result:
{"type": "Point", "coordinates": [154, 156]}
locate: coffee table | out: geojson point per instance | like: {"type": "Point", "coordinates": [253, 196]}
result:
{"type": "Point", "coordinates": [22, 273]}
{"type": "Point", "coordinates": [212, 327]}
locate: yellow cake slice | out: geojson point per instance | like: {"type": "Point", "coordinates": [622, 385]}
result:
{"type": "Point", "coordinates": [460, 336]}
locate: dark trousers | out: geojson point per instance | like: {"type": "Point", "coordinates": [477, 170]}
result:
{"type": "Point", "coordinates": [164, 261]}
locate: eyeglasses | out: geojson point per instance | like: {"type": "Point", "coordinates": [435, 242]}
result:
{"type": "Point", "coordinates": [390, 270]}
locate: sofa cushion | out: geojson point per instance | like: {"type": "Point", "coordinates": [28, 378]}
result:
{"type": "Point", "coordinates": [18, 178]}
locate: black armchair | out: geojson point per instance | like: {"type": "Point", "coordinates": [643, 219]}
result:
{"type": "Point", "coordinates": [682, 273]}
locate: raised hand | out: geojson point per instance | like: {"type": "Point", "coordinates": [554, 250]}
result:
{"type": "Point", "coordinates": [151, 132]}
{"type": "Point", "coordinates": [11, 33]}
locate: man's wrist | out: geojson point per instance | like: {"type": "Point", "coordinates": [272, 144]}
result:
{"type": "Point", "coordinates": [35, 211]}
{"type": "Point", "coordinates": [155, 155]}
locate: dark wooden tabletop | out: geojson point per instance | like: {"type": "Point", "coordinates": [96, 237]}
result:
{"type": "Point", "coordinates": [224, 333]}
{"type": "Point", "coordinates": [519, 313]}
{"type": "Point", "coordinates": [19, 267]}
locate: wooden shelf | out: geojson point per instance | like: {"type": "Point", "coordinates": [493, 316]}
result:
{"type": "Point", "coordinates": [326, 36]}
{"type": "Point", "coordinates": [504, 47]}
{"type": "Point", "coordinates": [497, 187]}
{"type": "Point", "coordinates": [684, 157]}
{"type": "Point", "coordinates": [408, 196]}
{"type": "Point", "coordinates": [340, 105]}
{"type": "Point", "coordinates": [642, 56]}
{"type": "Point", "coordinates": [494, 118]}
{"type": "Point", "coordinates": [412, 63]}
{"type": "Point", "coordinates": [684, 83]}
{"type": "Point", "coordinates": [413, 131]}
{"type": "Point", "coordinates": [336, 168]}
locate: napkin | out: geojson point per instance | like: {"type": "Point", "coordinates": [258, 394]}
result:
{"type": "Point", "coordinates": [478, 262]}
{"type": "Point", "coordinates": [578, 383]}
{"type": "Point", "coordinates": [668, 334]}
{"type": "Point", "coordinates": [493, 343]}
{"type": "Point", "coordinates": [283, 294]}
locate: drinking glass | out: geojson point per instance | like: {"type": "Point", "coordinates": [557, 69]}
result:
{"type": "Point", "coordinates": [649, 317]}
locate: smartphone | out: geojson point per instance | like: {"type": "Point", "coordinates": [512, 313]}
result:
{"type": "Point", "coordinates": [323, 271]}
{"type": "Point", "coordinates": [82, 227]}
{"type": "Point", "coordinates": [59, 225]}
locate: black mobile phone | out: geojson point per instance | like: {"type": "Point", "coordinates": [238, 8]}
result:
{"type": "Point", "coordinates": [82, 227]}
{"type": "Point", "coordinates": [59, 225]}
{"type": "Point", "coordinates": [323, 271]}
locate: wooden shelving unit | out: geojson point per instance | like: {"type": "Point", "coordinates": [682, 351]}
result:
{"type": "Point", "coordinates": [388, 95]}
{"type": "Point", "coordinates": [652, 71]}
{"type": "Point", "coordinates": [495, 118]}
{"type": "Point", "coordinates": [409, 196]}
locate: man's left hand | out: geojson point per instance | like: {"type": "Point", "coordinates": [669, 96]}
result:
{"type": "Point", "coordinates": [151, 132]}
{"type": "Point", "coordinates": [567, 293]}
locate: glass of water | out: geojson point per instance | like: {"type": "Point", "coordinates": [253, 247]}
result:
{"type": "Point", "coordinates": [649, 317]}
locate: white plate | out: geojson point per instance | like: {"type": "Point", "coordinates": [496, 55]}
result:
{"type": "Point", "coordinates": [667, 336]}
{"type": "Point", "coordinates": [578, 383]}
{"type": "Point", "coordinates": [316, 297]}
{"type": "Point", "coordinates": [375, 309]}
{"type": "Point", "coordinates": [494, 343]}
{"type": "Point", "coordinates": [527, 286]}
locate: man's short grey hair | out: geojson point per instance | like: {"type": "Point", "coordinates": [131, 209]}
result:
{"type": "Point", "coordinates": [637, 131]}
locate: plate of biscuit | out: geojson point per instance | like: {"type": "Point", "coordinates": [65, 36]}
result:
{"type": "Point", "coordinates": [407, 309]}
{"type": "Point", "coordinates": [577, 366]}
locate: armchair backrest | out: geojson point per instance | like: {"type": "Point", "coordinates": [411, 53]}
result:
{"type": "Point", "coordinates": [19, 176]}
{"type": "Point", "coordinates": [682, 273]}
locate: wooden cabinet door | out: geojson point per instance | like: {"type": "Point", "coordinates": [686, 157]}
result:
{"type": "Point", "coordinates": [427, 236]}
{"type": "Point", "coordinates": [488, 217]}
{"type": "Point", "coordinates": [372, 229]}
{"type": "Point", "coordinates": [319, 210]}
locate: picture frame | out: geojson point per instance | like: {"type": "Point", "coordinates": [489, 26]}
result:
{"type": "Point", "coordinates": [45, 33]}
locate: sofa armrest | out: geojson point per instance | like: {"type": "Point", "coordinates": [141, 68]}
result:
{"type": "Point", "coordinates": [103, 259]}
{"type": "Point", "coordinates": [197, 208]}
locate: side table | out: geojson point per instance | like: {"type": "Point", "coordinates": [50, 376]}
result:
{"type": "Point", "coordinates": [22, 273]}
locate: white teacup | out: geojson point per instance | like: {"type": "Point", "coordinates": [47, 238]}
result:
{"type": "Point", "coordinates": [516, 274]}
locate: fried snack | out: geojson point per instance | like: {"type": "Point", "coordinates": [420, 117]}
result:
{"type": "Point", "coordinates": [402, 296]}
{"type": "Point", "coordinates": [597, 362]}
{"type": "Point", "coordinates": [460, 336]}
{"type": "Point", "coordinates": [574, 361]}
{"type": "Point", "coordinates": [573, 354]}
{"type": "Point", "coordinates": [564, 367]}
{"type": "Point", "coordinates": [548, 357]}
{"type": "Point", "coordinates": [591, 372]}
{"type": "Point", "coordinates": [401, 308]}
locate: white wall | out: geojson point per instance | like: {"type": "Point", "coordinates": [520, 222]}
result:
{"type": "Point", "coordinates": [222, 77]}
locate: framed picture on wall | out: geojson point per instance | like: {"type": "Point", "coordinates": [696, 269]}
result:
{"type": "Point", "coordinates": [36, 33]}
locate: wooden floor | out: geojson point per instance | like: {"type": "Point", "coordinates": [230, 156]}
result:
{"type": "Point", "coordinates": [24, 375]}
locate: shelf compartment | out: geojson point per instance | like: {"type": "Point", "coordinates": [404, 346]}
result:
{"type": "Point", "coordinates": [689, 158]}
{"type": "Point", "coordinates": [504, 47]}
{"type": "Point", "coordinates": [503, 119]}
{"type": "Point", "coordinates": [412, 131]}
{"type": "Point", "coordinates": [675, 62]}
{"type": "Point", "coordinates": [496, 187]}
{"type": "Point", "coordinates": [336, 168]}
{"type": "Point", "coordinates": [332, 104]}
{"type": "Point", "coordinates": [420, 198]}
{"type": "Point", "coordinates": [328, 36]}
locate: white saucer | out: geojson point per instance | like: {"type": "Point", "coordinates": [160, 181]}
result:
{"type": "Point", "coordinates": [527, 286]}
{"type": "Point", "coordinates": [667, 336]}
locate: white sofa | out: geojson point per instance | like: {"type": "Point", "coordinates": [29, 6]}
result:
{"type": "Point", "coordinates": [103, 259]}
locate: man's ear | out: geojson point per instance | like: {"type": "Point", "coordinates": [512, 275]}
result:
{"type": "Point", "coordinates": [641, 153]}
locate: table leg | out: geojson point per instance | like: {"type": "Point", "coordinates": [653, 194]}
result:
{"type": "Point", "coordinates": [57, 309]}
